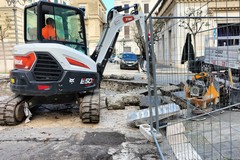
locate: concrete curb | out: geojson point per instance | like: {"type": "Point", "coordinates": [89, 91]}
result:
{"type": "Point", "coordinates": [145, 129]}
{"type": "Point", "coordinates": [172, 71]}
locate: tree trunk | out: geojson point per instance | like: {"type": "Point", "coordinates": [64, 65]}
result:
{"type": "Point", "coordinates": [194, 44]}
{"type": "Point", "coordinates": [4, 57]}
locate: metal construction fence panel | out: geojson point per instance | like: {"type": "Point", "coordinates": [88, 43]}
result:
{"type": "Point", "coordinates": [194, 62]}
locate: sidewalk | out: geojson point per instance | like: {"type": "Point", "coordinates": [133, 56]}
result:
{"type": "Point", "coordinates": [4, 76]}
{"type": "Point", "coordinates": [167, 69]}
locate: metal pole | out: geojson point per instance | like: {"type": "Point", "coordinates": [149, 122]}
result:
{"type": "Point", "coordinates": [149, 90]}
{"type": "Point", "coordinates": [148, 76]}
{"type": "Point", "coordinates": [189, 110]}
{"type": "Point", "coordinates": [154, 74]}
{"type": "Point", "coordinates": [155, 6]}
{"type": "Point", "coordinates": [15, 21]}
{"type": "Point", "coordinates": [158, 146]}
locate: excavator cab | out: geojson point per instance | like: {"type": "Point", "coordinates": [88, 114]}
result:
{"type": "Point", "coordinates": [69, 25]}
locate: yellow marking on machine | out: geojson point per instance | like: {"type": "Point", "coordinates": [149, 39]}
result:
{"type": "Point", "coordinates": [12, 80]}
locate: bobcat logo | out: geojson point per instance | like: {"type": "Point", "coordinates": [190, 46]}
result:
{"type": "Point", "coordinates": [71, 80]}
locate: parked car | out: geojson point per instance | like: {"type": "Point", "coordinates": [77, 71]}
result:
{"type": "Point", "coordinates": [129, 60]}
{"type": "Point", "coordinates": [115, 59]}
{"type": "Point", "coordinates": [111, 59]}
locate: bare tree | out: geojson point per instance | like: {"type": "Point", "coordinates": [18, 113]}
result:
{"type": "Point", "coordinates": [3, 35]}
{"type": "Point", "coordinates": [137, 40]}
{"type": "Point", "coordinates": [157, 28]}
{"type": "Point", "coordinates": [14, 3]}
{"type": "Point", "coordinates": [193, 23]}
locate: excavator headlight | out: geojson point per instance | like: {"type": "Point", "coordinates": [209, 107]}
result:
{"type": "Point", "coordinates": [25, 61]}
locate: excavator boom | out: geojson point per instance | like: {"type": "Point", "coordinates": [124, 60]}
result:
{"type": "Point", "coordinates": [115, 21]}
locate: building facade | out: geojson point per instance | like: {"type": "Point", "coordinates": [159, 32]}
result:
{"type": "Point", "coordinates": [125, 42]}
{"type": "Point", "coordinates": [95, 17]}
{"type": "Point", "coordinates": [211, 33]}
{"type": "Point", "coordinates": [8, 31]}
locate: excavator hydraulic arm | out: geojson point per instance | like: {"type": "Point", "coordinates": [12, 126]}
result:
{"type": "Point", "coordinates": [115, 21]}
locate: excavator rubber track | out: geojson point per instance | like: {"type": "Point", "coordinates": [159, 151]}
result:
{"type": "Point", "coordinates": [89, 109]}
{"type": "Point", "coordinates": [12, 110]}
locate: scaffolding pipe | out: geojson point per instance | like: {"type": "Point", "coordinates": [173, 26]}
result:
{"type": "Point", "coordinates": [154, 74]}
{"type": "Point", "coordinates": [155, 6]}
{"type": "Point", "coordinates": [148, 77]}
{"type": "Point", "coordinates": [158, 147]}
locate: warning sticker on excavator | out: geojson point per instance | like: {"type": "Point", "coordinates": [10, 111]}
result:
{"type": "Point", "coordinates": [12, 80]}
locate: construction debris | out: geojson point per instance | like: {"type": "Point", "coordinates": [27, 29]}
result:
{"type": "Point", "coordinates": [114, 102]}
{"type": "Point", "coordinates": [122, 85]}
{"type": "Point", "coordinates": [119, 101]}
{"type": "Point", "coordinates": [164, 111]}
{"type": "Point", "coordinates": [120, 77]}
{"type": "Point", "coordinates": [131, 99]}
{"type": "Point", "coordinates": [167, 90]}
{"type": "Point", "coordinates": [27, 113]}
{"type": "Point", "coordinates": [179, 98]}
{"type": "Point", "coordinates": [145, 102]}
{"type": "Point", "coordinates": [145, 129]}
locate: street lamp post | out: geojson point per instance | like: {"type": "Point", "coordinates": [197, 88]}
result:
{"type": "Point", "coordinates": [14, 2]}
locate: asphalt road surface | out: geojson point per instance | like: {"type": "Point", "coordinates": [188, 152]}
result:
{"type": "Point", "coordinates": [56, 132]}
{"type": "Point", "coordinates": [164, 76]}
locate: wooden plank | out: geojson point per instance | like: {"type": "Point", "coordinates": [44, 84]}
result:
{"type": "Point", "coordinates": [181, 147]}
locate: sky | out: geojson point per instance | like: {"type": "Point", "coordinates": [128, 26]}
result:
{"type": "Point", "coordinates": [109, 4]}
